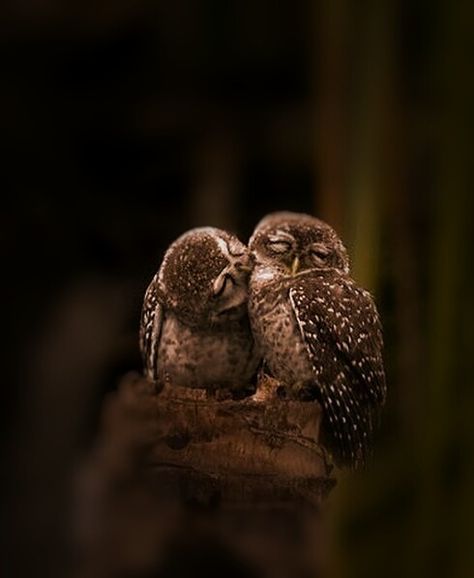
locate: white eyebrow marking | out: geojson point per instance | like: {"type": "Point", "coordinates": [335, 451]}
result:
{"type": "Point", "coordinates": [223, 246]}
{"type": "Point", "coordinates": [279, 235]}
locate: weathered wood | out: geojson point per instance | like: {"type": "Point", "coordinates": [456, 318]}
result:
{"type": "Point", "coordinates": [210, 470]}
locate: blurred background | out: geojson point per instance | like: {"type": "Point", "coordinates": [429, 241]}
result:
{"type": "Point", "coordinates": [126, 123]}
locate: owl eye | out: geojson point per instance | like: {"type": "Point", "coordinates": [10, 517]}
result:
{"type": "Point", "coordinates": [279, 246]}
{"type": "Point", "coordinates": [223, 285]}
{"type": "Point", "coordinates": [320, 253]}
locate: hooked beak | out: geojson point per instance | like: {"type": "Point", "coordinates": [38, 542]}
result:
{"type": "Point", "coordinates": [295, 266]}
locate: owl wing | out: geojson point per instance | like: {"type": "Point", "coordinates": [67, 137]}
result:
{"type": "Point", "coordinates": [340, 326]}
{"type": "Point", "coordinates": [150, 328]}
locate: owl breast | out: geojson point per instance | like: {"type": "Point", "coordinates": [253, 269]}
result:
{"type": "Point", "coordinates": [206, 358]}
{"type": "Point", "coordinates": [277, 335]}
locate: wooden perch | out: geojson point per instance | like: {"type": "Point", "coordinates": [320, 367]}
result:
{"type": "Point", "coordinates": [182, 468]}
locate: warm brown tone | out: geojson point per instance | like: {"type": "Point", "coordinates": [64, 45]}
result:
{"type": "Point", "coordinates": [242, 479]}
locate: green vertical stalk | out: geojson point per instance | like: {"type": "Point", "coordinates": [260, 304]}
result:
{"type": "Point", "coordinates": [444, 435]}
{"type": "Point", "coordinates": [368, 163]}
{"type": "Point", "coordinates": [366, 188]}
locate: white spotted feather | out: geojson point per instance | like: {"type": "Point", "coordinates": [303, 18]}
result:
{"type": "Point", "coordinates": [194, 329]}
{"type": "Point", "coordinates": [150, 329]}
{"type": "Point", "coordinates": [317, 329]}
{"type": "Point", "coordinates": [348, 367]}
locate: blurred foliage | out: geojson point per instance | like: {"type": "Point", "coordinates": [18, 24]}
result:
{"type": "Point", "coordinates": [127, 122]}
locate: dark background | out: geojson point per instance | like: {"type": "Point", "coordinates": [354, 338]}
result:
{"type": "Point", "coordinates": [125, 123]}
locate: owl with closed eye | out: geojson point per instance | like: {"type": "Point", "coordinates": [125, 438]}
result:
{"type": "Point", "coordinates": [195, 330]}
{"type": "Point", "coordinates": [318, 331]}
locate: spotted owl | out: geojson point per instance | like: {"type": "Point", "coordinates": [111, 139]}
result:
{"type": "Point", "coordinates": [319, 332]}
{"type": "Point", "coordinates": [194, 329]}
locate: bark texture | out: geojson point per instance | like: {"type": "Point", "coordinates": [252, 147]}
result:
{"type": "Point", "coordinates": [186, 483]}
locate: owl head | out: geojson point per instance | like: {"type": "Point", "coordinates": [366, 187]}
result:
{"type": "Point", "coordinates": [286, 244]}
{"type": "Point", "coordinates": [204, 276]}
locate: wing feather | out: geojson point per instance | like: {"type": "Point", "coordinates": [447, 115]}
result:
{"type": "Point", "coordinates": [341, 330]}
{"type": "Point", "coordinates": [150, 329]}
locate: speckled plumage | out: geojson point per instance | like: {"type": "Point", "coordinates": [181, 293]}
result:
{"type": "Point", "coordinates": [318, 331]}
{"type": "Point", "coordinates": [194, 328]}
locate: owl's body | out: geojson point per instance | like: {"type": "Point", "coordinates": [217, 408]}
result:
{"type": "Point", "coordinates": [276, 330]}
{"type": "Point", "coordinates": [195, 330]}
{"type": "Point", "coordinates": [319, 333]}
{"type": "Point", "coordinates": [208, 357]}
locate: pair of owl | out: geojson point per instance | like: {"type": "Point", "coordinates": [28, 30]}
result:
{"type": "Point", "coordinates": [217, 311]}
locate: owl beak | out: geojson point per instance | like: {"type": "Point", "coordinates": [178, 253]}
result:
{"type": "Point", "coordinates": [246, 268]}
{"type": "Point", "coordinates": [243, 268]}
{"type": "Point", "coordinates": [295, 266]}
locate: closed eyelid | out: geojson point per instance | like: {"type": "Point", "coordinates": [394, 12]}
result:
{"type": "Point", "coordinates": [282, 242]}
{"type": "Point", "coordinates": [223, 282]}
{"type": "Point", "coordinates": [279, 246]}
{"type": "Point", "coordinates": [281, 237]}
{"type": "Point", "coordinates": [320, 248]}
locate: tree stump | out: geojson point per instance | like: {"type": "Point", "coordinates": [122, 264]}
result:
{"type": "Point", "coordinates": [184, 482]}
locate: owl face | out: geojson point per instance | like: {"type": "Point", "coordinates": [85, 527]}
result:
{"type": "Point", "coordinates": [204, 276]}
{"type": "Point", "coordinates": [285, 244]}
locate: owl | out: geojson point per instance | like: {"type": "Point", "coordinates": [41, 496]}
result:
{"type": "Point", "coordinates": [194, 329]}
{"type": "Point", "coordinates": [318, 331]}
